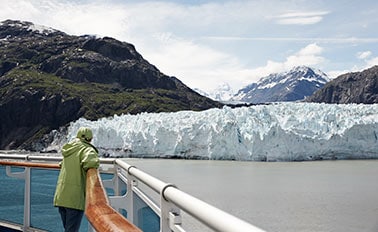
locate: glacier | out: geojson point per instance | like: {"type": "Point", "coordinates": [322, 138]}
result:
{"type": "Point", "coordinates": [274, 132]}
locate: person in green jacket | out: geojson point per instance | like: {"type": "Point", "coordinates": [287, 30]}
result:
{"type": "Point", "coordinates": [78, 156]}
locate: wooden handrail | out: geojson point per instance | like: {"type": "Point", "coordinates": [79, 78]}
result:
{"type": "Point", "coordinates": [98, 210]}
{"type": "Point", "coordinates": [29, 164]}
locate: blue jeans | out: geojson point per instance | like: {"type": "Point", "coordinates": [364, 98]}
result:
{"type": "Point", "coordinates": [71, 219]}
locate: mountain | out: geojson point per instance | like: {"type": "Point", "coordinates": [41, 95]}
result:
{"type": "Point", "coordinates": [49, 79]}
{"type": "Point", "coordinates": [223, 92]}
{"type": "Point", "coordinates": [294, 85]}
{"type": "Point", "coordinates": [355, 87]}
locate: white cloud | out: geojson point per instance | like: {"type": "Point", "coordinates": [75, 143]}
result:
{"type": "Point", "coordinates": [300, 21]}
{"type": "Point", "coordinates": [202, 67]}
{"type": "Point", "coordinates": [329, 40]}
{"type": "Point", "coordinates": [189, 40]}
{"type": "Point", "coordinates": [371, 62]}
{"type": "Point", "coordinates": [368, 62]}
{"type": "Point", "coordinates": [17, 10]}
{"type": "Point", "coordinates": [301, 18]}
{"type": "Point", "coordinates": [151, 27]}
{"type": "Point", "coordinates": [241, 76]}
{"type": "Point", "coordinates": [335, 73]}
{"type": "Point", "coordinates": [70, 17]}
{"type": "Point", "coordinates": [196, 65]}
{"type": "Point", "coordinates": [364, 55]}
{"type": "Point", "coordinates": [309, 56]}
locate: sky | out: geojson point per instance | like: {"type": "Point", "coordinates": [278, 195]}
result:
{"type": "Point", "coordinates": [208, 43]}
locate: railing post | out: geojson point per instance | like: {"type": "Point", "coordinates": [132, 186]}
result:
{"type": "Point", "coordinates": [25, 175]}
{"type": "Point", "coordinates": [117, 201]}
{"type": "Point", "coordinates": [27, 198]}
{"type": "Point", "coordinates": [170, 214]}
{"type": "Point", "coordinates": [127, 200]}
{"type": "Point", "coordinates": [116, 187]}
{"type": "Point", "coordinates": [130, 199]}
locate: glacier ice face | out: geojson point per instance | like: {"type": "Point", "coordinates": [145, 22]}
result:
{"type": "Point", "coordinates": [277, 132]}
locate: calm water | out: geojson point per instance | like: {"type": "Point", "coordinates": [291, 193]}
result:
{"type": "Point", "coordinates": [297, 196]}
{"type": "Point", "coordinates": [322, 196]}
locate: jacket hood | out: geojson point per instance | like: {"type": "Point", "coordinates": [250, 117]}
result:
{"type": "Point", "coordinates": [71, 148]}
{"type": "Point", "coordinates": [76, 146]}
{"type": "Point", "coordinates": [84, 133]}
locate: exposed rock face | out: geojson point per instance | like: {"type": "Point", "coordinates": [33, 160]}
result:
{"type": "Point", "coordinates": [31, 114]}
{"type": "Point", "coordinates": [49, 78]}
{"type": "Point", "coordinates": [357, 87]}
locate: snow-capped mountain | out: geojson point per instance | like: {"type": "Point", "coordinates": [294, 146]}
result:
{"type": "Point", "coordinates": [223, 92]}
{"type": "Point", "coordinates": [293, 85]}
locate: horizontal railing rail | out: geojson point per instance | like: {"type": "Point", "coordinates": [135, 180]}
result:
{"type": "Point", "coordinates": [26, 175]}
{"type": "Point", "coordinates": [29, 164]}
{"type": "Point", "coordinates": [172, 200]}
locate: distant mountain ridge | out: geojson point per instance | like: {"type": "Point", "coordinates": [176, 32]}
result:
{"type": "Point", "coordinates": [313, 84]}
{"type": "Point", "coordinates": [49, 78]}
{"type": "Point", "coordinates": [223, 92]}
{"type": "Point", "coordinates": [294, 85]}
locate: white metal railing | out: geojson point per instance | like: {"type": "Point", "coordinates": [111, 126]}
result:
{"type": "Point", "coordinates": [172, 200]}
{"type": "Point", "coordinates": [25, 175]}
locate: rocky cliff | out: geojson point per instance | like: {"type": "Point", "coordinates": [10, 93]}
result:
{"type": "Point", "coordinates": [49, 78]}
{"type": "Point", "coordinates": [356, 87]}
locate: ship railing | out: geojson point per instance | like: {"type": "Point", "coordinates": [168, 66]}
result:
{"type": "Point", "coordinates": [168, 205]}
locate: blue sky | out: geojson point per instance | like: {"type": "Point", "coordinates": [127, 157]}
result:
{"type": "Point", "coordinates": [205, 43]}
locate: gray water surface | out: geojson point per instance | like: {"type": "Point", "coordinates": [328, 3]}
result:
{"type": "Point", "coordinates": [283, 196]}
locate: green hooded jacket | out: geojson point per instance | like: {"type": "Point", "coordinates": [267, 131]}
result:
{"type": "Point", "coordinates": [78, 156]}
